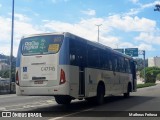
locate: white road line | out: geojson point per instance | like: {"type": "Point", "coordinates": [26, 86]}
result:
{"type": "Point", "coordinates": [26, 106]}
{"type": "Point", "coordinates": [8, 95]}
{"type": "Point", "coordinates": [56, 118]}
{"type": "Point", "coordinates": [2, 108]}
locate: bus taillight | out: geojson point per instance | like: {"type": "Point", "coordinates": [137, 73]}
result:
{"type": "Point", "coordinates": [62, 77]}
{"type": "Point", "coordinates": [17, 78]}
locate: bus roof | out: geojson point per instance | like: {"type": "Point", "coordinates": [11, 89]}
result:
{"type": "Point", "coordinates": [53, 33]}
{"type": "Point", "coordinates": [96, 44]}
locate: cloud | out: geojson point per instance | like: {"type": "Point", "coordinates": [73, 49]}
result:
{"type": "Point", "coordinates": [89, 12]}
{"type": "Point", "coordinates": [134, 1]}
{"type": "Point", "coordinates": [141, 7]}
{"type": "Point", "coordinates": [0, 5]}
{"type": "Point", "coordinates": [148, 5]}
{"type": "Point", "coordinates": [128, 23]}
{"type": "Point", "coordinates": [22, 27]}
{"type": "Point", "coordinates": [21, 17]}
{"type": "Point", "coordinates": [56, 1]}
{"type": "Point", "coordinates": [5, 24]}
{"type": "Point", "coordinates": [147, 37]}
{"type": "Point", "coordinates": [147, 47]}
{"type": "Point", "coordinates": [78, 29]}
{"type": "Point", "coordinates": [85, 28]}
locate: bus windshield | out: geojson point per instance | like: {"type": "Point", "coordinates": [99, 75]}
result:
{"type": "Point", "coordinates": [37, 45]}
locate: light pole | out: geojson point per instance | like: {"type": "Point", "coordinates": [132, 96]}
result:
{"type": "Point", "coordinates": [144, 65]}
{"type": "Point", "coordinates": [98, 30]}
{"type": "Point", "coordinates": [11, 52]}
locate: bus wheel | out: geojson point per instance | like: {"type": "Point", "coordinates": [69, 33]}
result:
{"type": "Point", "coordinates": [127, 94]}
{"type": "Point", "coordinates": [63, 99]}
{"type": "Point", "coordinates": [100, 94]}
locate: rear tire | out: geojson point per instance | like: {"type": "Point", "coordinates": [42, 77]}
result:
{"type": "Point", "coordinates": [127, 94]}
{"type": "Point", "coordinates": [63, 99]}
{"type": "Point", "coordinates": [100, 95]}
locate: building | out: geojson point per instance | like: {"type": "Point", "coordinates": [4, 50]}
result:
{"type": "Point", "coordinates": [154, 62]}
{"type": "Point", "coordinates": [4, 66]}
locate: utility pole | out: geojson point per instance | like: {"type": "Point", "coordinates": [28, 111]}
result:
{"type": "Point", "coordinates": [144, 65]}
{"type": "Point", "coordinates": [98, 30]}
{"type": "Point", "coordinates": [142, 52]}
{"type": "Point", "coordinates": [11, 52]}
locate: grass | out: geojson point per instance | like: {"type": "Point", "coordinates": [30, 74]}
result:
{"type": "Point", "coordinates": [145, 85]}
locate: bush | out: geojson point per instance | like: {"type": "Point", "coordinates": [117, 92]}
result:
{"type": "Point", "coordinates": [158, 77]}
{"type": "Point", "coordinates": [145, 85]}
{"type": "Point", "coordinates": [151, 74]}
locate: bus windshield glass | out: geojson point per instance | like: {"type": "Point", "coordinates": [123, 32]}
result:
{"type": "Point", "coordinates": [38, 45]}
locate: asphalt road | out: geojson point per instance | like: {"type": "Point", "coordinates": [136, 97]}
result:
{"type": "Point", "coordinates": [145, 100]}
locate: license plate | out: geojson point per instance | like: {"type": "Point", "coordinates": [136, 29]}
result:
{"type": "Point", "coordinates": [38, 82]}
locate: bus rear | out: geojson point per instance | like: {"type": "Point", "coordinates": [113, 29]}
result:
{"type": "Point", "coordinates": [37, 70]}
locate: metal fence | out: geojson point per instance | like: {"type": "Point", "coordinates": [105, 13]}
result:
{"type": "Point", "coordinates": [5, 87]}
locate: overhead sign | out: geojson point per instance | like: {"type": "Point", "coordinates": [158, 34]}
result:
{"type": "Point", "coordinates": [120, 50]}
{"type": "Point", "coordinates": [133, 52]}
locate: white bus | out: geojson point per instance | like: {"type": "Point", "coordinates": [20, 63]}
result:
{"type": "Point", "coordinates": [69, 67]}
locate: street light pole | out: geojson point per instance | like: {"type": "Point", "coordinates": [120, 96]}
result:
{"type": "Point", "coordinates": [11, 52]}
{"type": "Point", "coordinates": [98, 30]}
{"type": "Point", "coordinates": [144, 65]}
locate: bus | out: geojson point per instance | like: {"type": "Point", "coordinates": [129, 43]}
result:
{"type": "Point", "coordinates": [69, 67]}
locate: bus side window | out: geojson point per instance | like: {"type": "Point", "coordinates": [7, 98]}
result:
{"type": "Point", "coordinates": [115, 63]}
{"type": "Point", "coordinates": [127, 66]}
{"type": "Point", "coordinates": [104, 62]}
{"type": "Point", "coordinates": [72, 58]}
{"type": "Point", "coordinates": [110, 61]}
{"type": "Point", "coordinates": [121, 64]}
{"type": "Point", "coordinates": [73, 49]}
{"type": "Point", "coordinates": [93, 57]}
{"type": "Point", "coordinates": [110, 64]}
{"type": "Point", "coordinates": [77, 52]}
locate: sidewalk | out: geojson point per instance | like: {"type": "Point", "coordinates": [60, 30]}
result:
{"type": "Point", "coordinates": [141, 82]}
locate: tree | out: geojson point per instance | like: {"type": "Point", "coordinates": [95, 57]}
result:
{"type": "Point", "coordinates": [158, 77]}
{"type": "Point", "coordinates": [5, 73]}
{"type": "Point", "coordinates": [151, 74]}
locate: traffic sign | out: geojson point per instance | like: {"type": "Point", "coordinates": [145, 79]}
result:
{"type": "Point", "coordinates": [133, 52]}
{"type": "Point", "coordinates": [120, 50]}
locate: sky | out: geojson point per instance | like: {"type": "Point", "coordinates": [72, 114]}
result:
{"type": "Point", "coordinates": [124, 23]}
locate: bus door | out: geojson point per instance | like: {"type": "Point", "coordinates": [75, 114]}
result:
{"type": "Point", "coordinates": [81, 57]}
{"type": "Point", "coordinates": [116, 75]}
{"type": "Point", "coordinates": [133, 71]}
{"type": "Point", "coordinates": [81, 76]}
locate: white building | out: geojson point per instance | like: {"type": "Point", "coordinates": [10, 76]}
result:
{"type": "Point", "coordinates": [4, 66]}
{"type": "Point", "coordinates": [154, 62]}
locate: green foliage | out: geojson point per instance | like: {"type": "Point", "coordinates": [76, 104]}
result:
{"type": "Point", "coordinates": [158, 77]}
{"type": "Point", "coordinates": [151, 74]}
{"type": "Point", "coordinates": [4, 74]}
{"type": "Point", "coordinates": [140, 63]}
{"type": "Point", "coordinates": [145, 85]}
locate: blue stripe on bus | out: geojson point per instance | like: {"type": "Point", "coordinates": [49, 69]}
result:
{"type": "Point", "coordinates": [18, 59]}
{"type": "Point", "coordinates": [64, 53]}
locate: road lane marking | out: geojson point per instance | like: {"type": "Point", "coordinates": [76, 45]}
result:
{"type": "Point", "coordinates": [2, 108]}
{"type": "Point", "coordinates": [27, 105]}
{"type": "Point", "coordinates": [8, 95]}
{"type": "Point", "coordinates": [67, 115]}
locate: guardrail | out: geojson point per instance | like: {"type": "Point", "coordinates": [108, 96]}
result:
{"type": "Point", "coordinates": [5, 87]}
